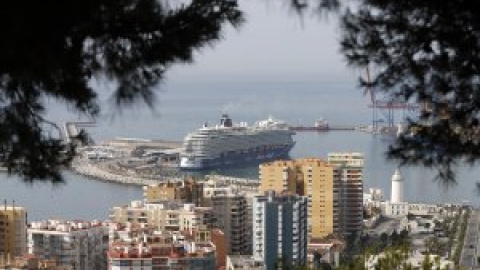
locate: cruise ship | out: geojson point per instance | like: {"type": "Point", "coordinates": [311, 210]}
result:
{"type": "Point", "coordinates": [235, 144]}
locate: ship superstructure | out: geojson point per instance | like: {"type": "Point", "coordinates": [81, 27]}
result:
{"type": "Point", "coordinates": [234, 144]}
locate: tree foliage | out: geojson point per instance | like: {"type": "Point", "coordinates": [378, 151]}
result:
{"type": "Point", "coordinates": [426, 52]}
{"type": "Point", "coordinates": [52, 49]}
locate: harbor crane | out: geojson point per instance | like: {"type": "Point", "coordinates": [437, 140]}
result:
{"type": "Point", "coordinates": [383, 108]}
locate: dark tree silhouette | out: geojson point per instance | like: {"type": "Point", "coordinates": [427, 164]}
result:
{"type": "Point", "coordinates": [426, 52]}
{"type": "Point", "coordinates": [51, 49]}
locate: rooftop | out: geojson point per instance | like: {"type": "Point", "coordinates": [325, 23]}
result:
{"type": "Point", "coordinates": [245, 262]}
{"type": "Point", "coordinates": [176, 248]}
{"type": "Point", "coordinates": [65, 226]}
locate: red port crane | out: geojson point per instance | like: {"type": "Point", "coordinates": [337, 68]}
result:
{"type": "Point", "coordinates": [383, 109]}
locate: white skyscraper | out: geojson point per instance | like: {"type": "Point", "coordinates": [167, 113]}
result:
{"type": "Point", "coordinates": [397, 187]}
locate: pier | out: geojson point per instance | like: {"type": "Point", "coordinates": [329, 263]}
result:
{"type": "Point", "coordinates": [70, 129]}
{"type": "Point", "coordinates": [323, 128]}
{"type": "Point", "coordinates": [342, 127]}
{"type": "Point", "coordinates": [136, 142]}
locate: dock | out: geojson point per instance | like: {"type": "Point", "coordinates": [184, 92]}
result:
{"type": "Point", "coordinates": [342, 127]}
{"type": "Point", "coordinates": [149, 143]}
{"type": "Point", "coordinates": [323, 128]}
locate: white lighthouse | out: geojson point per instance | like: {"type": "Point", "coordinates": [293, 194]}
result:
{"type": "Point", "coordinates": [397, 188]}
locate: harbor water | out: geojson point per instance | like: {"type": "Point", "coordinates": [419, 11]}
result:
{"type": "Point", "coordinates": [185, 106]}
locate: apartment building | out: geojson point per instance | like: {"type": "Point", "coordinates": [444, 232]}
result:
{"type": "Point", "coordinates": [164, 216]}
{"type": "Point", "coordinates": [231, 207]}
{"type": "Point", "coordinates": [31, 262]}
{"type": "Point", "coordinates": [350, 190]}
{"type": "Point", "coordinates": [332, 188]}
{"type": "Point", "coordinates": [13, 239]}
{"type": "Point", "coordinates": [187, 191]}
{"type": "Point", "coordinates": [230, 214]}
{"type": "Point", "coordinates": [310, 177]}
{"type": "Point", "coordinates": [280, 230]}
{"type": "Point", "coordinates": [73, 244]}
{"type": "Point", "coordinates": [142, 248]}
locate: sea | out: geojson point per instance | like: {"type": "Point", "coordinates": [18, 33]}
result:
{"type": "Point", "coordinates": [183, 106]}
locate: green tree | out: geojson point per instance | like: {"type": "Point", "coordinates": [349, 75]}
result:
{"type": "Point", "coordinates": [427, 263]}
{"type": "Point", "coordinates": [384, 240]}
{"type": "Point", "coordinates": [357, 263]}
{"type": "Point", "coordinates": [393, 258]}
{"type": "Point", "coordinates": [394, 237]}
{"type": "Point", "coordinates": [404, 233]}
{"type": "Point", "coordinates": [433, 246]}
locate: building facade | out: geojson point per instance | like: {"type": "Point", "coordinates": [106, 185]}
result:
{"type": "Point", "coordinates": [75, 244]}
{"type": "Point", "coordinates": [164, 216]}
{"type": "Point", "coordinates": [334, 189]}
{"type": "Point", "coordinates": [311, 177]}
{"type": "Point", "coordinates": [141, 248]}
{"type": "Point", "coordinates": [231, 216]}
{"type": "Point", "coordinates": [349, 191]}
{"type": "Point", "coordinates": [13, 239]}
{"type": "Point", "coordinates": [396, 209]}
{"type": "Point", "coordinates": [280, 230]}
{"type": "Point", "coordinates": [243, 262]}
{"type": "Point", "coordinates": [187, 191]}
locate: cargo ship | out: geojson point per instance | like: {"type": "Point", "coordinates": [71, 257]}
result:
{"type": "Point", "coordinates": [319, 125]}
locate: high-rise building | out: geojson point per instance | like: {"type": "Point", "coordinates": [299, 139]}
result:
{"type": "Point", "coordinates": [281, 175]}
{"type": "Point", "coordinates": [334, 190]}
{"type": "Point", "coordinates": [13, 232]}
{"type": "Point", "coordinates": [280, 230]}
{"type": "Point", "coordinates": [349, 190]}
{"type": "Point", "coordinates": [230, 212]}
{"type": "Point", "coordinates": [75, 244]}
{"type": "Point", "coordinates": [313, 178]}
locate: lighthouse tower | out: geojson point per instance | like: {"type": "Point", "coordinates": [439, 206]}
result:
{"type": "Point", "coordinates": [397, 187]}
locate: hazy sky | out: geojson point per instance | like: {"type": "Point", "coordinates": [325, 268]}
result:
{"type": "Point", "coordinates": [273, 44]}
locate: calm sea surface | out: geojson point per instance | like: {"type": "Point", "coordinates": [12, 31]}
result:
{"type": "Point", "coordinates": [185, 106]}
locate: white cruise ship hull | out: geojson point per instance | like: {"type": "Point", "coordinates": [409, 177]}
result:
{"type": "Point", "coordinates": [234, 159]}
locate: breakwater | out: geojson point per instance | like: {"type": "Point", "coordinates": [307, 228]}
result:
{"type": "Point", "coordinates": [107, 173]}
{"type": "Point", "coordinates": [97, 172]}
